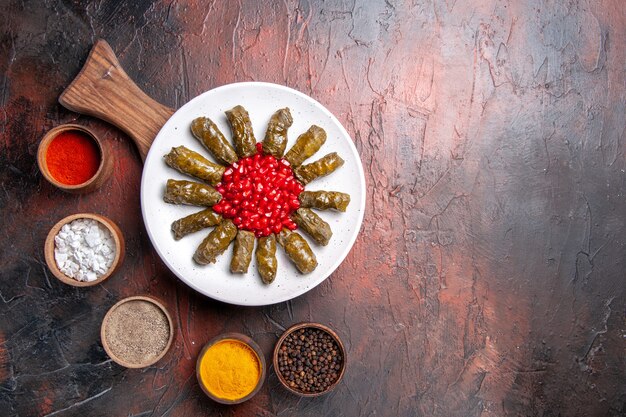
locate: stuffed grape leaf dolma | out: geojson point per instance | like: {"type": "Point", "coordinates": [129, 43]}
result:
{"type": "Point", "coordinates": [215, 243]}
{"type": "Point", "coordinates": [210, 136]}
{"type": "Point", "coordinates": [192, 163]}
{"type": "Point", "coordinates": [323, 166]}
{"type": "Point", "coordinates": [298, 250]}
{"type": "Point", "coordinates": [324, 200]}
{"type": "Point", "coordinates": [195, 222]}
{"type": "Point", "coordinates": [313, 224]}
{"type": "Point", "coordinates": [243, 136]}
{"type": "Point", "coordinates": [266, 258]}
{"type": "Point", "coordinates": [191, 193]}
{"type": "Point", "coordinates": [275, 140]}
{"type": "Point", "coordinates": [242, 252]}
{"type": "Point", "coordinates": [306, 145]}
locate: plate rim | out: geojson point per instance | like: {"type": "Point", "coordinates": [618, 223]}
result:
{"type": "Point", "coordinates": [360, 214]}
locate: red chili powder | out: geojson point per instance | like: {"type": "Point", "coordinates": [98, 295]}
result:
{"type": "Point", "coordinates": [72, 157]}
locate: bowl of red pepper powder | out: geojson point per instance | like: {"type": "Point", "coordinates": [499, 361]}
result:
{"type": "Point", "coordinates": [72, 158]}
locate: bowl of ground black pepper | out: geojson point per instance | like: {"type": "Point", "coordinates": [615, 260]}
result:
{"type": "Point", "coordinates": [73, 159]}
{"type": "Point", "coordinates": [137, 332]}
{"type": "Point", "coordinates": [309, 359]}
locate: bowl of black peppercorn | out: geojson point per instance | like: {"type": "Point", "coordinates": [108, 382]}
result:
{"type": "Point", "coordinates": [309, 359]}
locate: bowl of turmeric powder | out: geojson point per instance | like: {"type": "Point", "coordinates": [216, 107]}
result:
{"type": "Point", "coordinates": [231, 368]}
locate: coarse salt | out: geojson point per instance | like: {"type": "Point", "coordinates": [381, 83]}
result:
{"type": "Point", "coordinates": [84, 249]}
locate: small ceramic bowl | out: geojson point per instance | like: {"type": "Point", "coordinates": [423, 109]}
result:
{"type": "Point", "coordinates": [252, 345]}
{"type": "Point", "coordinates": [309, 325]}
{"type": "Point", "coordinates": [102, 174]}
{"type": "Point", "coordinates": [120, 304]}
{"type": "Point", "coordinates": [118, 238]}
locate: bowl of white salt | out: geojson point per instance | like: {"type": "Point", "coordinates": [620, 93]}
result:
{"type": "Point", "coordinates": [84, 249]}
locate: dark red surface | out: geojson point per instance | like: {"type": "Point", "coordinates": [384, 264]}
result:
{"type": "Point", "coordinates": [489, 276]}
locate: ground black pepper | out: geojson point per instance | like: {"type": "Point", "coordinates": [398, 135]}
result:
{"type": "Point", "coordinates": [137, 332]}
{"type": "Point", "coordinates": [310, 361]}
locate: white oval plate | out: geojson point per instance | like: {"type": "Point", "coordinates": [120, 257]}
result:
{"type": "Point", "coordinates": [215, 280]}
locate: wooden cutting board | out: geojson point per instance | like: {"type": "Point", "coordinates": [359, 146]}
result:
{"type": "Point", "coordinates": [104, 90]}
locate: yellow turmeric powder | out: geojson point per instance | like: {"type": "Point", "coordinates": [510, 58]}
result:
{"type": "Point", "coordinates": [230, 369]}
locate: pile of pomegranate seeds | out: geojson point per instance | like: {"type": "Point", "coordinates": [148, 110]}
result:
{"type": "Point", "coordinates": [259, 193]}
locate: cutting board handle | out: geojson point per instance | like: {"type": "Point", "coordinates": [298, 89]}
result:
{"type": "Point", "coordinates": [102, 89]}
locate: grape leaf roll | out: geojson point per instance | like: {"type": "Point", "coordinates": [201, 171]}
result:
{"type": "Point", "coordinates": [242, 252]}
{"type": "Point", "coordinates": [241, 126]}
{"type": "Point", "coordinates": [215, 243]}
{"type": "Point", "coordinates": [275, 140]}
{"type": "Point", "coordinates": [266, 258]}
{"type": "Point", "coordinates": [192, 163]}
{"type": "Point", "coordinates": [324, 200]}
{"type": "Point", "coordinates": [322, 167]}
{"type": "Point", "coordinates": [298, 250]}
{"type": "Point", "coordinates": [213, 139]}
{"type": "Point", "coordinates": [313, 225]}
{"type": "Point", "coordinates": [195, 222]}
{"type": "Point", "coordinates": [306, 145]}
{"type": "Point", "coordinates": [191, 193]}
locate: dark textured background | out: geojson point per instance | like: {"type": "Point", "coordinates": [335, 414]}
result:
{"type": "Point", "coordinates": [489, 276]}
